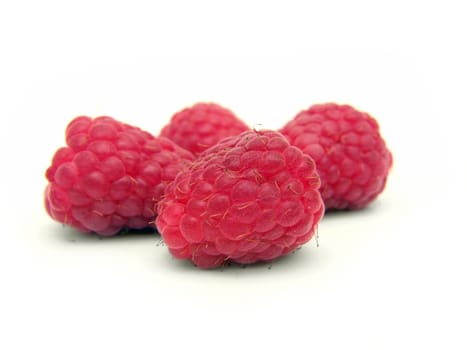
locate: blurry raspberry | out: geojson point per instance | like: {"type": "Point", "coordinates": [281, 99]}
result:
{"type": "Point", "coordinates": [202, 125]}
{"type": "Point", "coordinates": [109, 176]}
{"type": "Point", "coordinates": [250, 198]}
{"type": "Point", "coordinates": [351, 157]}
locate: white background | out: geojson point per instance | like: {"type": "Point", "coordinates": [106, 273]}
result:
{"type": "Point", "coordinates": [391, 276]}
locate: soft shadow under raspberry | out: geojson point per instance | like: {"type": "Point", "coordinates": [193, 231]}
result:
{"type": "Point", "coordinates": [336, 213]}
{"type": "Point", "coordinates": [291, 261]}
{"type": "Point", "coordinates": [68, 234]}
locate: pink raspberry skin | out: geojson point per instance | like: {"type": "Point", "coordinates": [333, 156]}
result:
{"type": "Point", "coordinates": [252, 197]}
{"type": "Point", "coordinates": [201, 126]}
{"type": "Point", "coordinates": [351, 156]}
{"type": "Point", "coordinates": [109, 175]}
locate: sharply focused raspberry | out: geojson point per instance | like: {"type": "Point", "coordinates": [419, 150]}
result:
{"type": "Point", "coordinates": [109, 176]}
{"type": "Point", "coordinates": [201, 126]}
{"type": "Point", "coordinates": [351, 156]}
{"type": "Point", "coordinates": [252, 197]}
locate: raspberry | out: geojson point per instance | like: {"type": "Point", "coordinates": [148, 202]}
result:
{"type": "Point", "coordinates": [351, 156]}
{"type": "Point", "coordinates": [252, 197]}
{"type": "Point", "coordinates": [109, 176]}
{"type": "Point", "coordinates": [201, 126]}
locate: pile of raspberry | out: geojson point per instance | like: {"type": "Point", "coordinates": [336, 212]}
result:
{"type": "Point", "coordinates": [216, 190]}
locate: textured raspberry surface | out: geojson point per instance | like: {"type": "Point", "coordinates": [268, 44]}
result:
{"type": "Point", "coordinates": [351, 156]}
{"type": "Point", "coordinates": [109, 175]}
{"type": "Point", "coordinates": [201, 126]}
{"type": "Point", "coordinates": [252, 197]}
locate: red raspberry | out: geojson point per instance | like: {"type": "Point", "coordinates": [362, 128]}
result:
{"type": "Point", "coordinates": [252, 197]}
{"type": "Point", "coordinates": [351, 156]}
{"type": "Point", "coordinates": [109, 176]}
{"type": "Point", "coordinates": [201, 126]}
